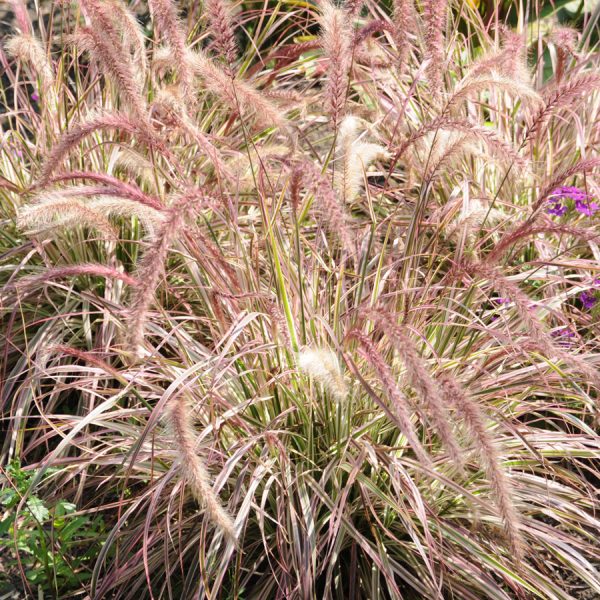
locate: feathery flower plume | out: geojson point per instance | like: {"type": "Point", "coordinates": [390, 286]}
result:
{"type": "Point", "coordinates": [170, 29]}
{"type": "Point", "coordinates": [324, 367]}
{"type": "Point", "coordinates": [120, 122]}
{"type": "Point", "coordinates": [369, 29]}
{"type": "Point", "coordinates": [353, 156]}
{"type": "Point", "coordinates": [111, 186]}
{"type": "Point", "coordinates": [245, 166]}
{"type": "Point", "coordinates": [400, 408]}
{"type": "Point", "coordinates": [134, 38]}
{"type": "Point", "coordinates": [221, 27]}
{"type": "Point", "coordinates": [193, 467]}
{"type": "Point", "coordinates": [87, 357]}
{"type": "Point", "coordinates": [32, 283]}
{"type": "Point", "coordinates": [353, 8]}
{"type": "Point", "coordinates": [371, 55]}
{"type": "Point", "coordinates": [49, 209]}
{"type": "Point", "coordinates": [151, 268]}
{"type": "Point", "coordinates": [471, 132]}
{"type": "Point", "coordinates": [278, 321]}
{"type": "Point", "coordinates": [135, 166]}
{"type": "Point", "coordinates": [450, 143]}
{"type": "Point", "coordinates": [493, 80]}
{"type": "Point", "coordinates": [565, 41]}
{"type": "Point", "coordinates": [285, 97]}
{"type": "Point", "coordinates": [563, 94]}
{"type": "Point", "coordinates": [442, 148]}
{"type": "Point", "coordinates": [121, 33]}
{"type": "Point", "coordinates": [115, 64]}
{"type": "Point", "coordinates": [500, 484]}
{"type": "Point", "coordinates": [435, 14]}
{"type": "Point", "coordinates": [176, 115]}
{"type": "Point", "coordinates": [471, 218]}
{"type": "Point", "coordinates": [420, 379]}
{"type": "Point", "coordinates": [62, 212]}
{"type": "Point", "coordinates": [334, 216]}
{"type": "Point", "coordinates": [114, 206]}
{"type": "Point", "coordinates": [28, 49]}
{"type": "Point", "coordinates": [510, 61]}
{"type": "Point", "coordinates": [295, 185]}
{"type": "Point", "coordinates": [238, 95]}
{"type": "Point", "coordinates": [22, 16]}
{"type": "Point", "coordinates": [405, 24]}
{"type": "Point", "coordinates": [163, 64]}
{"type": "Point", "coordinates": [530, 229]}
{"type": "Point", "coordinates": [336, 40]}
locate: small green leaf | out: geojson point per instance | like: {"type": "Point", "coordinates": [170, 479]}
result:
{"type": "Point", "coordinates": [37, 509]}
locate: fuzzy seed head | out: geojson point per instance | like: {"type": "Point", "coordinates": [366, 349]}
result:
{"type": "Point", "coordinates": [324, 367]}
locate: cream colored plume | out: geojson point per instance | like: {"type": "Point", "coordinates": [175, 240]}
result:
{"type": "Point", "coordinates": [473, 214]}
{"type": "Point", "coordinates": [246, 164]}
{"type": "Point", "coordinates": [353, 157]}
{"type": "Point", "coordinates": [60, 209]}
{"type": "Point", "coordinates": [64, 213]}
{"type": "Point", "coordinates": [324, 367]}
{"type": "Point", "coordinates": [515, 86]}
{"type": "Point", "coordinates": [443, 148]}
{"type": "Point", "coordinates": [194, 469]}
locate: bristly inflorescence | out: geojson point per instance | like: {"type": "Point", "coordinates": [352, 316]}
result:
{"type": "Point", "coordinates": [336, 38]}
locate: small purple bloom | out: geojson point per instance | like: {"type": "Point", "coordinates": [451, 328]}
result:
{"type": "Point", "coordinates": [564, 336]}
{"type": "Point", "coordinates": [556, 208]}
{"type": "Point", "coordinates": [501, 300]}
{"type": "Point", "coordinates": [569, 193]}
{"type": "Point", "coordinates": [563, 332]}
{"type": "Point", "coordinates": [585, 207]}
{"type": "Point", "coordinates": [35, 97]}
{"type": "Point", "coordinates": [588, 300]}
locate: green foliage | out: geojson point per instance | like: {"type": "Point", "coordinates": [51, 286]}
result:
{"type": "Point", "coordinates": [51, 542]}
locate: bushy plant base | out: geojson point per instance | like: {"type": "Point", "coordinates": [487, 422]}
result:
{"type": "Point", "coordinates": [299, 301]}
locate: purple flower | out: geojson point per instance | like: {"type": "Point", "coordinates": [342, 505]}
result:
{"type": "Point", "coordinates": [35, 97]}
{"type": "Point", "coordinates": [585, 207]}
{"type": "Point", "coordinates": [501, 300]}
{"type": "Point", "coordinates": [569, 191]}
{"type": "Point", "coordinates": [569, 194]}
{"type": "Point", "coordinates": [556, 208]}
{"type": "Point", "coordinates": [588, 300]}
{"type": "Point", "coordinates": [563, 332]}
{"type": "Point", "coordinates": [564, 335]}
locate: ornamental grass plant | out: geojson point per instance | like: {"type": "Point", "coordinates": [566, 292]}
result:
{"type": "Point", "coordinates": [299, 301]}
